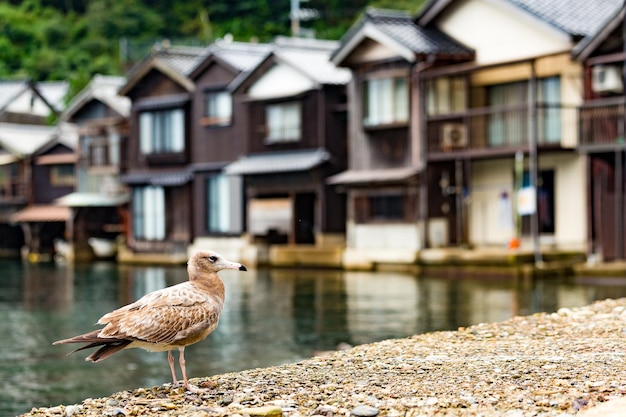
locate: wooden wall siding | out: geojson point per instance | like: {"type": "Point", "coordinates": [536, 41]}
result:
{"type": "Point", "coordinates": [218, 143]}
{"type": "Point", "coordinates": [368, 147]}
{"type": "Point", "coordinates": [336, 125]}
{"type": "Point", "coordinates": [391, 148]}
{"type": "Point", "coordinates": [43, 191]}
{"type": "Point", "coordinates": [334, 205]}
{"type": "Point", "coordinates": [155, 84]}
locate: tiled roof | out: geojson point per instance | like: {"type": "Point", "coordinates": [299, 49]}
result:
{"type": "Point", "coordinates": [312, 57]}
{"type": "Point", "coordinates": [588, 44]}
{"type": "Point", "coordinates": [22, 140]}
{"type": "Point", "coordinates": [576, 17]}
{"type": "Point", "coordinates": [164, 178]}
{"type": "Point", "coordinates": [241, 55]}
{"type": "Point", "coordinates": [78, 199]}
{"type": "Point", "coordinates": [41, 214]}
{"type": "Point", "coordinates": [54, 92]}
{"type": "Point", "coordinates": [9, 90]}
{"type": "Point", "coordinates": [374, 176]}
{"type": "Point", "coordinates": [103, 88]}
{"type": "Point", "coordinates": [277, 162]}
{"type": "Point", "coordinates": [182, 59]}
{"type": "Point", "coordinates": [399, 26]}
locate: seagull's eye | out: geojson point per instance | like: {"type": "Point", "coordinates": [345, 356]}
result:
{"type": "Point", "coordinates": [212, 258]}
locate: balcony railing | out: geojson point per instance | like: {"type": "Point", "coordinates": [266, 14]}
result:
{"type": "Point", "coordinates": [602, 123]}
{"type": "Point", "coordinates": [500, 128]}
{"type": "Point", "coordinates": [12, 191]}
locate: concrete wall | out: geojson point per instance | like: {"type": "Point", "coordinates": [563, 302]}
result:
{"type": "Point", "coordinates": [491, 221]}
{"type": "Point", "coordinates": [500, 32]}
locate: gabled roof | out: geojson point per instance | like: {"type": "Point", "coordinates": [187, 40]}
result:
{"type": "Point", "coordinates": [589, 44]}
{"type": "Point", "coordinates": [104, 89]}
{"type": "Point", "coordinates": [65, 134]}
{"type": "Point", "coordinates": [54, 93]}
{"type": "Point", "coordinates": [51, 93]}
{"type": "Point", "coordinates": [577, 18]}
{"type": "Point", "coordinates": [9, 90]}
{"type": "Point", "coordinates": [238, 56]}
{"type": "Point", "coordinates": [312, 58]}
{"type": "Point", "coordinates": [175, 62]}
{"type": "Point", "coordinates": [397, 30]}
{"type": "Point", "coordinates": [308, 57]}
{"type": "Point", "coordinates": [23, 140]}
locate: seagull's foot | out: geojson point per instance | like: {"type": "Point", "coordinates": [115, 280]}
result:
{"type": "Point", "coordinates": [205, 386]}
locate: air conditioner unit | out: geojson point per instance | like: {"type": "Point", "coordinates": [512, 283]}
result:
{"type": "Point", "coordinates": [453, 135]}
{"type": "Point", "coordinates": [606, 79]}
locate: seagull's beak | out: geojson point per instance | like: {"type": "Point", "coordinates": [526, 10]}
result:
{"type": "Point", "coordinates": [234, 265]}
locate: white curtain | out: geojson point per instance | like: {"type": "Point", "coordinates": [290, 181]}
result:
{"type": "Point", "coordinates": [177, 130]}
{"type": "Point", "coordinates": [145, 132]}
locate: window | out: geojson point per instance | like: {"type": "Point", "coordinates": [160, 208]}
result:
{"type": "Point", "coordinates": [549, 115]}
{"type": "Point", "coordinates": [380, 208]}
{"type": "Point", "coordinates": [9, 183]}
{"type": "Point", "coordinates": [218, 108]}
{"type": "Point", "coordinates": [386, 101]}
{"type": "Point", "coordinates": [218, 204]}
{"type": "Point", "coordinates": [149, 213]}
{"type": "Point", "coordinates": [509, 126]}
{"type": "Point", "coordinates": [98, 151]}
{"type": "Point", "coordinates": [446, 95]}
{"type": "Point", "coordinates": [284, 122]}
{"type": "Point", "coordinates": [162, 131]}
{"type": "Point", "coordinates": [62, 175]}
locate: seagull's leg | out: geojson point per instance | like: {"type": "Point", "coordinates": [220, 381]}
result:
{"type": "Point", "coordinates": [181, 362]}
{"type": "Point", "coordinates": [170, 360]}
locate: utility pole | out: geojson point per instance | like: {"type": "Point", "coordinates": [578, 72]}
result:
{"type": "Point", "coordinates": [533, 163]}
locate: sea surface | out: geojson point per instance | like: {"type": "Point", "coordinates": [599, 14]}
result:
{"type": "Point", "coordinates": [271, 317]}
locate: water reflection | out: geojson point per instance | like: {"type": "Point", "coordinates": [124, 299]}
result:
{"type": "Point", "coordinates": [270, 317]}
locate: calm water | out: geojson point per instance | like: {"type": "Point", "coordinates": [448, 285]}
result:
{"type": "Point", "coordinates": [271, 317]}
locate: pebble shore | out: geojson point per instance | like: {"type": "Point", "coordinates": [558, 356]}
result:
{"type": "Point", "coordinates": [550, 364]}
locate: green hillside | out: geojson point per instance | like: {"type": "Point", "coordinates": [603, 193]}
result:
{"type": "Point", "coordinates": [73, 39]}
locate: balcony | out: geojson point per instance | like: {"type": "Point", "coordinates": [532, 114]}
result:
{"type": "Point", "coordinates": [602, 124]}
{"type": "Point", "coordinates": [488, 131]}
{"type": "Point", "coordinates": [12, 191]}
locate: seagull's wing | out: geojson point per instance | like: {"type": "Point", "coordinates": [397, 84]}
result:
{"type": "Point", "coordinates": [164, 317]}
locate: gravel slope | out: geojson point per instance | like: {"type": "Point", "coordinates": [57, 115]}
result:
{"type": "Point", "coordinates": [541, 365]}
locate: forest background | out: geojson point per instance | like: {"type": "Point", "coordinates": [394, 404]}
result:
{"type": "Point", "coordinates": [46, 40]}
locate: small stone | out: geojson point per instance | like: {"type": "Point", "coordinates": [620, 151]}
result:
{"type": "Point", "coordinates": [364, 411]}
{"type": "Point", "coordinates": [262, 411]}
{"type": "Point", "coordinates": [70, 410]}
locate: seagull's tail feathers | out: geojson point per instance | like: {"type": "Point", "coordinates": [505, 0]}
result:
{"type": "Point", "coordinates": [108, 345]}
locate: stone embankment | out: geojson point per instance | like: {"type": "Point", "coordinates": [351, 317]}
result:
{"type": "Point", "coordinates": [571, 362]}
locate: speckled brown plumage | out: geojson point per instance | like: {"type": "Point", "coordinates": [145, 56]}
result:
{"type": "Point", "coordinates": [166, 319]}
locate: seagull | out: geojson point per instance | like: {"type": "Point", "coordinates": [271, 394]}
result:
{"type": "Point", "coordinates": [166, 319]}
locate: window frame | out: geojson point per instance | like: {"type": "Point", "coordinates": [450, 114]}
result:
{"type": "Point", "coordinates": [148, 213]}
{"type": "Point", "coordinates": [211, 110]}
{"type": "Point", "coordinates": [367, 208]}
{"type": "Point", "coordinates": [397, 107]}
{"type": "Point", "coordinates": [59, 178]}
{"type": "Point", "coordinates": [286, 131]}
{"type": "Point", "coordinates": [169, 125]}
